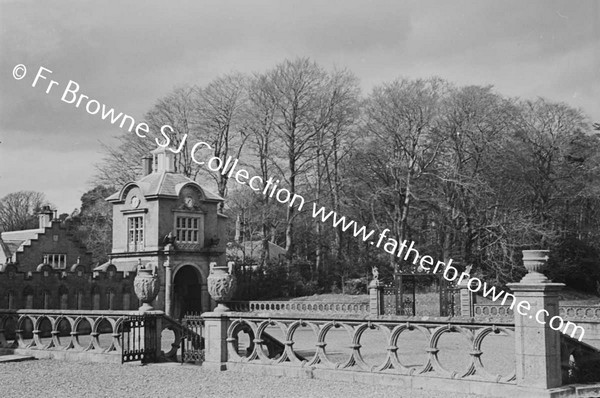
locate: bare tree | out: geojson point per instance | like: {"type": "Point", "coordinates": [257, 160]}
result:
{"type": "Point", "coordinates": [546, 134]}
{"type": "Point", "coordinates": [122, 164]}
{"type": "Point", "coordinates": [401, 116]}
{"type": "Point", "coordinates": [295, 89]}
{"type": "Point", "coordinates": [261, 125]}
{"type": "Point", "coordinates": [336, 128]}
{"type": "Point", "coordinates": [220, 109]}
{"type": "Point", "coordinates": [18, 210]}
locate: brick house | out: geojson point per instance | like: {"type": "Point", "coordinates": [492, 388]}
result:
{"type": "Point", "coordinates": [49, 268]}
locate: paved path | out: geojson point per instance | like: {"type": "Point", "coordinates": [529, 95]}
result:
{"type": "Point", "coordinates": [52, 378]}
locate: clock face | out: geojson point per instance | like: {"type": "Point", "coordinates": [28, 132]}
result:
{"type": "Point", "coordinates": [135, 202]}
{"type": "Point", "coordinates": [189, 201]}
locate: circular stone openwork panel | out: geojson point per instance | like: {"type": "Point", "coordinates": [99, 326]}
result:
{"type": "Point", "coordinates": [451, 348]}
{"type": "Point", "coordinates": [410, 345]}
{"type": "Point", "coordinates": [336, 352]}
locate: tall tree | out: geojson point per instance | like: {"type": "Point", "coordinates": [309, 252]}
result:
{"type": "Point", "coordinates": [122, 164]}
{"type": "Point", "coordinates": [220, 109]}
{"type": "Point", "coordinates": [261, 125]}
{"type": "Point", "coordinates": [336, 129]}
{"type": "Point", "coordinates": [18, 210]}
{"type": "Point", "coordinates": [93, 222]}
{"type": "Point", "coordinates": [295, 88]}
{"type": "Point", "coordinates": [548, 143]}
{"type": "Point", "coordinates": [400, 118]}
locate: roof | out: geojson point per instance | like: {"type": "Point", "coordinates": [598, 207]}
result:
{"type": "Point", "coordinates": [124, 265]}
{"type": "Point", "coordinates": [21, 235]}
{"type": "Point", "coordinates": [11, 241]}
{"type": "Point", "coordinates": [164, 183]}
{"type": "Point", "coordinates": [253, 249]}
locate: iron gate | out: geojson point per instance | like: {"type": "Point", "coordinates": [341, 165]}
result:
{"type": "Point", "coordinates": [138, 339]}
{"type": "Point", "coordinates": [400, 298]}
{"type": "Point", "coordinates": [192, 342]}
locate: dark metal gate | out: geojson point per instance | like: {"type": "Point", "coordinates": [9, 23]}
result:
{"type": "Point", "coordinates": [192, 342]}
{"type": "Point", "coordinates": [139, 338]}
{"type": "Point", "coordinates": [400, 298]}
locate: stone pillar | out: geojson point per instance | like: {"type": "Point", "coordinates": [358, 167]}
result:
{"type": "Point", "coordinates": [215, 354]}
{"type": "Point", "coordinates": [158, 343]}
{"type": "Point", "coordinates": [467, 300]}
{"type": "Point", "coordinates": [375, 298]}
{"type": "Point", "coordinates": [168, 281]}
{"type": "Point", "coordinates": [537, 348]}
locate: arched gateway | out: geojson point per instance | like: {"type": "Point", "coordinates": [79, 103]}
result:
{"type": "Point", "coordinates": [187, 291]}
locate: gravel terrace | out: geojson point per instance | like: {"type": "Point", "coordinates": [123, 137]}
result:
{"type": "Point", "coordinates": [52, 378]}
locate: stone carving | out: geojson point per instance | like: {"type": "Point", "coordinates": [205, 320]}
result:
{"type": "Point", "coordinates": [221, 284]}
{"type": "Point", "coordinates": [534, 261]}
{"type": "Point", "coordinates": [169, 239]}
{"type": "Point", "coordinates": [146, 285]}
{"type": "Point", "coordinates": [375, 282]}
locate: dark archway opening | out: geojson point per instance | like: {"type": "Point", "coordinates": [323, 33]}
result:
{"type": "Point", "coordinates": [187, 292]}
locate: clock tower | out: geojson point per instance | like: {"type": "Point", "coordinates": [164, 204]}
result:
{"type": "Point", "coordinates": [169, 221]}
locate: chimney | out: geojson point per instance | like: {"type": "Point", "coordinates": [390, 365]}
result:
{"type": "Point", "coordinates": [45, 217]}
{"type": "Point", "coordinates": [146, 165]}
{"type": "Point", "coordinates": [165, 160]}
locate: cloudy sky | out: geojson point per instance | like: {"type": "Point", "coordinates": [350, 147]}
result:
{"type": "Point", "coordinates": [129, 54]}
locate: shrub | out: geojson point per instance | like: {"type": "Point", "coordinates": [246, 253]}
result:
{"type": "Point", "coordinates": [574, 263]}
{"type": "Point", "coordinates": [356, 286]}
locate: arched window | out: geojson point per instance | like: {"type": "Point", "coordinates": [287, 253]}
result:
{"type": "Point", "coordinates": [10, 300]}
{"type": "Point", "coordinates": [63, 297]}
{"type": "Point", "coordinates": [46, 297]}
{"type": "Point", "coordinates": [28, 297]}
{"type": "Point", "coordinates": [126, 298]}
{"type": "Point", "coordinates": [95, 298]}
{"type": "Point", "coordinates": [79, 299]}
{"type": "Point", "coordinates": [110, 299]}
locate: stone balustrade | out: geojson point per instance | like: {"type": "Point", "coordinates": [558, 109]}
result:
{"type": "Point", "coordinates": [580, 312]}
{"type": "Point", "coordinates": [493, 311]}
{"type": "Point", "coordinates": [308, 307]}
{"type": "Point", "coordinates": [78, 330]}
{"type": "Point", "coordinates": [380, 346]}
{"type": "Point", "coordinates": [74, 331]}
{"type": "Point", "coordinates": [568, 313]}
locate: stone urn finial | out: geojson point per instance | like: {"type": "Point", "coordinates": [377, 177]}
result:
{"type": "Point", "coordinates": [146, 285]}
{"type": "Point", "coordinates": [534, 261]}
{"type": "Point", "coordinates": [221, 285]}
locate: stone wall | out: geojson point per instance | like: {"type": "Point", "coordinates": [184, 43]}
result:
{"type": "Point", "coordinates": [78, 288]}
